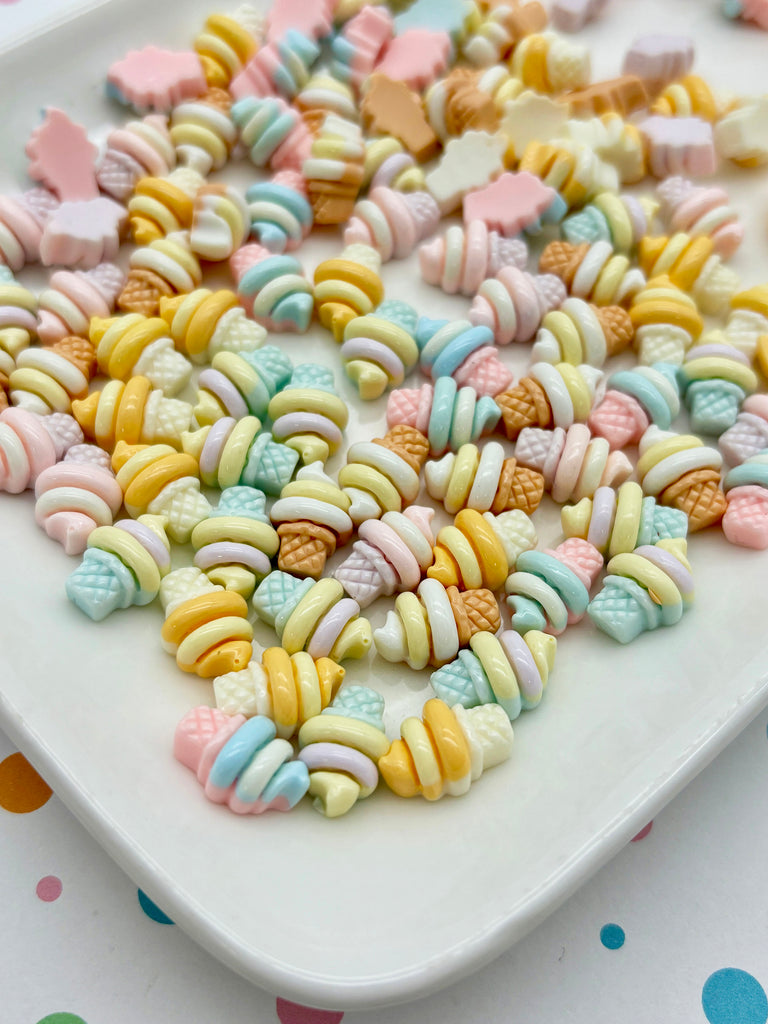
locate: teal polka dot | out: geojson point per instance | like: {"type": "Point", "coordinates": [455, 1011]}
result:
{"type": "Point", "coordinates": [61, 1018]}
{"type": "Point", "coordinates": [612, 936]}
{"type": "Point", "coordinates": [152, 910]}
{"type": "Point", "coordinates": [731, 996]}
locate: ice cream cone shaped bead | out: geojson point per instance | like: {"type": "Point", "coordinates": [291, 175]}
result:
{"type": "Point", "coordinates": [280, 68]}
{"type": "Point", "coordinates": [690, 96]}
{"type": "Point", "coordinates": [700, 210]}
{"type": "Point", "coordinates": [159, 480]}
{"type": "Point", "coordinates": [73, 498]}
{"type": "Point", "coordinates": [666, 322]}
{"type": "Point", "coordinates": [649, 587]}
{"type": "Point", "coordinates": [136, 345]}
{"type": "Point", "coordinates": [448, 415]}
{"type": "Point", "coordinates": [325, 93]}
{"type": "Point", "coordinates": [204, 323]}
{"type": "Point", "coordinates": [308, 415]}
{"type": "Point", "coordinates": [22, 221]}
{"type": "Point", "coordinates": [341, 746]}
{"type": "Point", "coordinates": [383, 475]}
{"type": "Point", "coordinates": [573, 463]}
{"type": "Point", "coordinates": [221, 222]}
{"type": "Point", "coordinates": [483, 480]}
{"type": "Point", "coordinates": [18, 318]}
{"type": "Point", "coordinates": [571, 168]}
{"type": "Point", "coordinates": [579, 332]}
{"type": "Point", "coordinates": [360, 44]}
{"type": "Point", "coordinates": [693, 265]}
{"type": "Point", "coordinates": [240, 383]}
{"type": "Point", "coordinates": [334, 169]}
{"type": "Point", "coordinates": [274, 133]}
{"type": "Point", "coordinates": [501, 30]}
{"type": "Point", "coordinates": [122, 566]}
{"type": "Point", "coordinates": [615, 521]}
{"type": "Point", "coordinates": [550, 589]}
{"type": "Point", "coordinates": [134, 412]}
{"type": "Point", "coordinates": [551, 396]}
{"type": "Point", "coordinates": [233, 451]}
{"type": "Point", "coordinates": [463, 258]}
{"type": "Point", "coordinates": [312, 517]}
{"type": "Point", "coordinates": [46, 380]}
{"type": "Point", "coordinates": [749, 434]}
{"type": "Point", "coordinates": [239, 761]}
{"type": "Point", "coordinates": [715, 380]}
{"type": "Point", "coordinates": [206, 627]}
{"type": "Point", "coordinates": [167, 266]}
{"type": "Point", "coordinates": [136, 150]}
{"type": "Point", "coordinates": [615, 141]}
{"type": "Point", "coordinates": [457, 103]}
{"type": "Point", "coordinates": [481, 550]}
{"type": "Point", "coordinates": [745, 521]}
{"type": "Point", "coordinates": [234, 545]}
{"type": "Point", "coordinates": [389, 164]}
{"type": "Point", "coordinates": [620, 220]}
{"type": "Point", "coordinates": [281, 216]}
{"type": "Point", "coordinates": [514, 302]}
{"type": "Point", "coordinates": [391, 553]}
{"type": "Point", "coordinates": [509, 670]}
{"type": "Point", "coordinates": [635, 399]}
{"type": "Point", "coordinates": [273, 289]}
{"type": "Point", "coordinates": [287, 688]}
{"type": "Point", "coordinates": [392, 222]}
{"type": "Point", "coordinates": [161, 206]}
{"type": "Point", "coordinates": [431, 628]}
{"type": "Point", "coordinates": [66, 306]}
{"type": "Point", "coordinates": [30, 443]}
{"type": "Point", "coordinates": [593, 272]}
{"type": "Point", "coordinates": [226, 42]}
{"type": "Point", "coordinates": [681, 471]}
{"type": "Point", "coordinates": [312, 616]}
{"type": "Point", "coordinates": [379, 349]}
{"type": "Point", "coordinates": [446, 751]}
{"type": "Point", "coordinates": [347, 287]}
{"type": "Point", "coordinates": [458, 349]}
{"type": "Point", "coordinates": [202, 131]}
{"type": "Point", "coordinates": [550, 63]}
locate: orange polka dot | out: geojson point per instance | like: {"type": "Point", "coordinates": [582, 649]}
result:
{"type": "Point", "coordinates": [21, 788]}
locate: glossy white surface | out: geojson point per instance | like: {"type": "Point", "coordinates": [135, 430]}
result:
{"type": "Point", "coordinates": [399, 898]}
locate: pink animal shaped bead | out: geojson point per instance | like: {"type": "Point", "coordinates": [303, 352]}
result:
{"type": "Point", "coordinates": [463, 258]}
{"type": "Point", "coordinates": [392, 554]}
{"type": "Point", "coordinates": [699, 210]}
{"type": "Point", "coordinates": [511, 204]}
{"type": "Point", "coordinates": [574, 464]}
{"type": "Point", "coordinates": [417, 57]}
{"type": "Point", "coordinates": [30, 443]}
{"type": "Point", "coordinates": [83, 233]}
{"type": "Point", "coordinates": [573, 15]}
{"type": "Point", "coordinates": [745, 521]}
{"type": "Point", "coordinates": [240, 762]}
{"type": "Point", "coordinates": [514, 302]}
{"type": "Point", "coordinates": [73, 497]}
{"type": "Point", "coordinates": [678, 145]}
{"type": "Point", "coordinates": [66, 306]}
{"type": "Point", "coordinates": [136, 150]}
{"type": "Point", "coordinates": [22, 221]}
{"type": "Point", "coordinates": [749, 434]}
{"type": "Point", "coordinates": [659, 59]}
{"type": "Point", "coordinates": [392, 222]}
{"type": "Point", "coordinates": [315, 20]}
{"type": "Point", "coordinates": [152, 79]}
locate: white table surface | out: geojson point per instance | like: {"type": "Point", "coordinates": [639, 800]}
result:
{"type": "Point", "coordinates": [690, 898]}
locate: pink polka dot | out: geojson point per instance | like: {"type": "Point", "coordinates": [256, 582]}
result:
{"type": "Point", "coordinates": [49, 888]}
{"type": "Point", "coordinates": [643, 832]}
{"type": "Point", "coordinates": [295, 1013]}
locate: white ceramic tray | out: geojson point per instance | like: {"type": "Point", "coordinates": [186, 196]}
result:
{"type": "Point", "coordinates": [400, 897]}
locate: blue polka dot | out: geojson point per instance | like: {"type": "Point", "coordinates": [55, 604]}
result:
{"type": "Point", "coordinates": [152, 910]}
{"type": "Point", "coordinates": [612, 936]}
{"type": "Point", "coordinates": [731, 996]}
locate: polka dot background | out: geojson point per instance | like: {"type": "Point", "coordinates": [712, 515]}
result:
{"type": "Point", "coordinates": [663, 932]}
